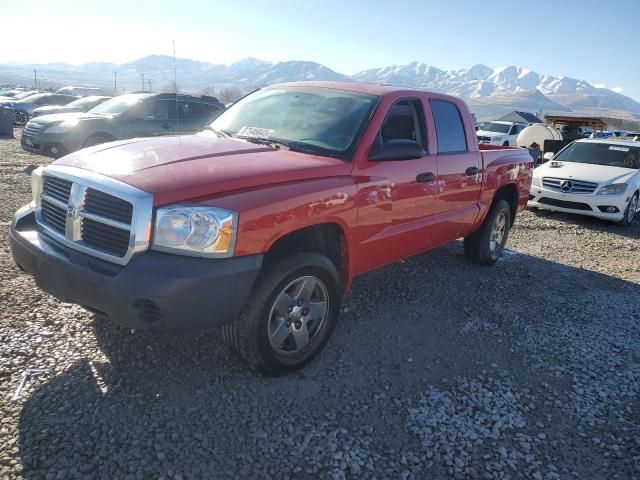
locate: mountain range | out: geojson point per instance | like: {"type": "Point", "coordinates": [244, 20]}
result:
{"type": "Point", "coordinates": [490, 92]}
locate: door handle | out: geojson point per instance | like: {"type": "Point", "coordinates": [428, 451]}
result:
{"type": "Point", "coordinates": [425, 177]}
{"type": "Point", "coordinates": [472, 171]}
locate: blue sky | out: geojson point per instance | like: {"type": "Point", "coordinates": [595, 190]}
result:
{"type": "Point", "coordinates": [592, 40]}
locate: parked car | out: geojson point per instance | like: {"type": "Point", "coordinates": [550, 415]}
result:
{"type": "Point", "coordinates": [126, 116]}
{"type": "Point", "coordinates": [22, 108]}
{"type": "Point", "coordinates": [602, 134]}
{"type": "Point", "coordinates": [17, 96]}
{"type": "Point", "coordinates": [81, 91]}
{"type": "Point", "coordinates": [499, 133]}
{"type": "Point", "coordinates": [83, 104]}
{"type": "Point", "coordinates": [260, 223]}
{"type": "Point", "coordinates": [599, 178]}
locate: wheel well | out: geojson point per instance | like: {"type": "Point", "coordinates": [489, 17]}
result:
{"type": "Point", "coordinates": [327, 239]}
{"type": "Point", "coordinates": [99, 134]}
{"type": "Point", "coordinates": [508, 192]}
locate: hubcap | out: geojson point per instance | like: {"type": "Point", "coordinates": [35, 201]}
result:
{"type": "Point", "coordinates": [497, 233]}
{"type": "Point", "coordinates": [298, 315]}
{"type": "Point", "coordinates": [633, 206]}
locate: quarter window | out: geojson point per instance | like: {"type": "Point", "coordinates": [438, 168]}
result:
{"type": "Point", "coordinates": [449, 128]}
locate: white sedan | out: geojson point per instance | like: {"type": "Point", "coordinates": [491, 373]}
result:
{"type": "Point", "coordinates": [599, 178]}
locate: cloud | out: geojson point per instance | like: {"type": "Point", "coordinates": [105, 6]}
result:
{"type": "Point", "coordinates": [617, 89]}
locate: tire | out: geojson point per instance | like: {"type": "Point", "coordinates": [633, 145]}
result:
{"type": "Point", "coordinates": [97, 139]}
{"type": "Point", "coordinates": [630, 211]}
{"type": "Point", "coordinates": [20, 118]}
{"type": "Point", "coordinates": [505, 144]}
{"type": "Point", "coordinates": [261, 334]}
{"type": "Point", "coordinates": [481, 247]}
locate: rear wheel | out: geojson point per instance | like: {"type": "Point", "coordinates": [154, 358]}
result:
{"type": "Point", "coordinates": [630, 212]}
{"type": "Point", "coordinates": [485, 246]}
{"type": "Point", "coordinates": [289, 316]}
{"type": "Point", "coordinates": [97, 140]}
{"type": "Point", "coordinates": [20, 118]}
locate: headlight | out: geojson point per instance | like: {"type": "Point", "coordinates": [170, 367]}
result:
{"type": "Point", "coordinates": [36, 185]}
{"type": "Point", "coordinates": [195, 231]}
{"type": "Point", "coordinates": [536, 181]}
{"type": "Point", "coordinates": [614, 189]}
{"type": "Point", "coordinates": [55, 129]}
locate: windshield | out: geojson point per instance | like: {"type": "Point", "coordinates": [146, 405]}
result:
{"type": "Point", "coordinates": [118, 105]}
{"type": "Point", "coordinates": [24, 94]}
{"type": "Point", "coordinates": [495, 127]}
{"type": "Point", "coordinates": [83, 102]}
{"type": "Point", "coordinates": [626, 156]}
{"type": "Point", "coordinates": [319, 120]}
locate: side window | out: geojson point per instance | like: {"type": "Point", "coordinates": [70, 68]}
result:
{"type": "Point", "coordinates": [449, 127]}
{"type": "Point", "coordinates": [405, 121]}
{"type": "Point", "coordinates": [153, 110]}
{"type": "Point", "coordinates": [195, 111]}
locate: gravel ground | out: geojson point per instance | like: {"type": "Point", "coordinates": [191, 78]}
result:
{"type": "Point", "coordinates": [437, 369]}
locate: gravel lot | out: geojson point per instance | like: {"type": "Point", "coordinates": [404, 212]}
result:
{"type": "Point", "coordinates": [437, 369]}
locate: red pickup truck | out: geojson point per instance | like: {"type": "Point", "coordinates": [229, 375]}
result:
{"type": "Point", "coordinates": [260, 223]}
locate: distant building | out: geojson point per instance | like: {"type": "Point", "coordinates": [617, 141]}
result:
{"type": "Point", "coordinates": [521, 117]}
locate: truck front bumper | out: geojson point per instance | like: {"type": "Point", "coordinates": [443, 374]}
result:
{"type": "Point", "coordinates": [606, 207]}
{"type": "Point", "coordinates": [154, 290]}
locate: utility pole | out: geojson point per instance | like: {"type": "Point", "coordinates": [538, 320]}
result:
{"type": "Point", "coordinates": [142, 77]}
{"type": "Point", "coordinates": [150, 82]}
{"type": "Point", "coordinates": [115, 83]}
{"type": "Point", "coordinates": [35, 77]}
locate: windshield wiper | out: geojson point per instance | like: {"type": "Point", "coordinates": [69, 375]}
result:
{"type": "Point", "coordinates": [220, 133]}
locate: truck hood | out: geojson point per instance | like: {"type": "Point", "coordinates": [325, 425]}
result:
{"type": "Point", "coordinates": [586, 172]}
{"type": "Point", "coordinates": [180, 168]}
{"type": "Point", "coordinates": [486, 133]}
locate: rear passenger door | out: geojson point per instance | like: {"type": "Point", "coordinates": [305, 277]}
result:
{"type": "Point", "coordinates": [459, 175]}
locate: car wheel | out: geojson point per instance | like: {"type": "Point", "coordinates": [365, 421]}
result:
{"type": "Point", "coordinates": [20, 118]}
{"type": "Point", "coordinates": [289, 315]}
{"type": "Point", "coordinates": [506, 143]}
{"type": "Point", "coordinates": [485, 246]}
{"type": "Point", "coordinates": [97, 140]}
{"type": "Point", "coordinates": [630, 212]}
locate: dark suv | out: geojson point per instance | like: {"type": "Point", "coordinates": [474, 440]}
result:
{"type": "Point", "coordinates": [126, 116]}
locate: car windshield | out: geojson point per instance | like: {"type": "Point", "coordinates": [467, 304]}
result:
{"type": "Point", "coordinates": [83, 102]}
{"type": "Point", "coordinates": [316, 120]}
{"type": "Point", "coordinates": [119, 105]}
{"type": "Point", "coordinates": [613, 155]}
{"type": "Point", "coordinates": [35, 96]}
{"type": "Point", "coordinates": [495, 127]}
{"type": "Point", "coordinates": [24, 94]}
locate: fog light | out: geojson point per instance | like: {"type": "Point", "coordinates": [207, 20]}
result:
{"type": "Point", "coordinates": [612, 209]}
{"type": "Point", "coordinates": [54, 150]}
{"type": "Point", "coordinates": [608, 209]}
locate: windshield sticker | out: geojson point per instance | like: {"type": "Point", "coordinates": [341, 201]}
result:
{"type": "Point", "coordinates": [255, 132]}
{"type": "Point", "coordinates": [619, 149]}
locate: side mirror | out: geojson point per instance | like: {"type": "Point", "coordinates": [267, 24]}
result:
{"type": "Point", "coordinates": [548, 156]}
{"type": "Point", "coordinates": [398, 149]}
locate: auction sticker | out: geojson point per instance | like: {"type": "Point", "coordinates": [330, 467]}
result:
{"type": "Point", "coordinates": [619, 149]}
{"type": "Point", "coordinates": [255, 132]}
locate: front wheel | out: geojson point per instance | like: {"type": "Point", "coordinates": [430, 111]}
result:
{"type": "Point", "coordinates": [485, 246]}
{"type": "Point", "coordinates": [20, 118]}
{"type": "Point", "coordinates": [289, 316]}
{"type": "Point", "coordinates": [630, 212]}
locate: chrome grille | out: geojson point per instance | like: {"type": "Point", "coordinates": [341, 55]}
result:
{"type": "Point", "coordinates": [31, 128]}
{"type": "Point", "coordinates": [94, 214]}
{"type": "Point", "coordinates": [568, 185]}
{"type": "Point", "coordinates": [54, 216]}
{"type": "Point", "coordinates": [57, 188]}
{"type": "Point", "coordinates": [114, 208]}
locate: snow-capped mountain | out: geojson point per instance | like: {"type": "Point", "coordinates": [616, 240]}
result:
{"type": "Point", "coordinates": [483, 86]}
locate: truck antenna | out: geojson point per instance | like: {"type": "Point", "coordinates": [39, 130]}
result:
{"type": "Point", "coordinates": [175, 82]}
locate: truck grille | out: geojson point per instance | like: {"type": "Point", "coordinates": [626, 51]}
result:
{"type": "Point", "coordinates": [81, 214]}
{"type": "Point", "coordinates": [31, 129]}
{"type": "Point", "coordinates": [568, 185]}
